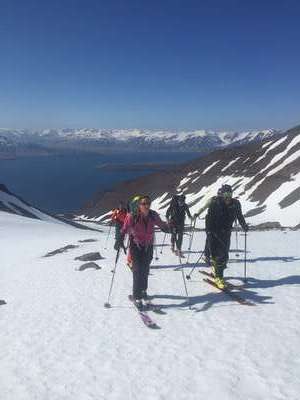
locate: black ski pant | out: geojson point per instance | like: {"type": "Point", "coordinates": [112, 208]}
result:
{"type": "Point", "coordinates": [219, 245]}
{"type": "Point", "coordinates": [177, 236]}
{"type": "Point", "coordinates": [207, 250]}
{"type": "Point", "coordinates": [141, 260]}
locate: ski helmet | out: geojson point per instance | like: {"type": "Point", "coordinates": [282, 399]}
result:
{"type": "Point", "coordinates": [226, 191]}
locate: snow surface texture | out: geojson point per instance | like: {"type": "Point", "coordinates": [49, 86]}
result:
{"type": "Point", "coordinates": [58, 342]}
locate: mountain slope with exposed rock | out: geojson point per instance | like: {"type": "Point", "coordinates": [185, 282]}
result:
{"type": "Point", "coordinates": [265, 177]}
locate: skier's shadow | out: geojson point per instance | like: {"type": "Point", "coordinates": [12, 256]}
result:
{"type": "Point", "coordinates": [238, 251]}
{"type": "Point", "coordinates": [249, 293]}
{"type": "Point", "coordinates": [254, 283]}
{"type": "Point", "coordinates": [192, 252]}
{"type": "Point", "coordinates": [176, 267]}
{"type": "Point", "coordinates": [211, 299]}
{"type": "Point", "coordinates": [254, 260]}
{"type": "Point", "coordinates": [2, 302]}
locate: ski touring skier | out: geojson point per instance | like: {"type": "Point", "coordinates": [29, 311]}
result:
{"type": "Point", "coordinates": [176, 214]}
{"type": "Point", "coordinates": [118, 217]}
{"type": "Point", "coordinates": [223, 210]}
{"type": "Point", "coordinates": [195, 216]}
{"type": "Point", "coordinates": [139, 225]}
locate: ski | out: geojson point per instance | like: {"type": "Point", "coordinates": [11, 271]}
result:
{"type": "Point", "coordinates": [144, 316]}
{"type": "Point", "coordinates": [233, 295]}
{"type": "Point", "coordinates": [229, 285]}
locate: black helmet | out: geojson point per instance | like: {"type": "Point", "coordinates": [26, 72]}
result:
{"type": "Point", "coordinates": [225, 189]}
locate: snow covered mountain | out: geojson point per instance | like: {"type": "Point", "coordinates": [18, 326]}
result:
{"type": "Point", "coordinates": [93, 140]}
{"type": "Point", "coordinates": [13, 204]}
{"type": "Point", "coordinates": [7, 148]}
{"type": "Point", "coordinates": [265, 177]}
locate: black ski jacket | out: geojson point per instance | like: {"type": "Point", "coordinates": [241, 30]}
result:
{"type": "Point", "coordinates": [221, 216]}
{"type": "Point", "coordinates": [176, 213]}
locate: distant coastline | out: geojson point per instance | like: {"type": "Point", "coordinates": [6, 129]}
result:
{"type": "Point", "coordinates": [136, 167]}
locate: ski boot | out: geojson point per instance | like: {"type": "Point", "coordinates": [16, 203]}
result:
{"type": "Point", "coordinates": [219, 282]}
{"type": "Point", "coordinates": [139, 304]}
{"type": "Point", "coordinates": [213, 271]}
{"type": "Point", "coordinates": [146, 299]}
{"type": "Point", "coordinates": [179, 253]}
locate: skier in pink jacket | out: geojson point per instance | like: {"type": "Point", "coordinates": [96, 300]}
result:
{"type": "Point", "coordinates": [140, 228]}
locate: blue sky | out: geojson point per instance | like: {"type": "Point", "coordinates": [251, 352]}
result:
{"type": "Point", "coordinates": [149, 64]}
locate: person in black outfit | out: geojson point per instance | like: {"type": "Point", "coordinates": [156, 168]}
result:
{"type": "Point", "coordinates": [222, 212]}
{"type": "Point", "coordinates": [176, 216]}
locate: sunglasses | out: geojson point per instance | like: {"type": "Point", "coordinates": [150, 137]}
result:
{"type": "Point", "coordinates": [145, 203]}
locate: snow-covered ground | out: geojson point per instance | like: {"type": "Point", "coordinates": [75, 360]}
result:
{"type": "Point", "coordinates": [58, 342]}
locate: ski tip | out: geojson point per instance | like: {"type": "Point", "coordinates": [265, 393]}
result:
{"type": "Point", "coordinates": [107, 305]}
{"type": "Point", "coordinates": [154, 326]}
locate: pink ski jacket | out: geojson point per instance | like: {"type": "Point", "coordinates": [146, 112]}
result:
{"type": "Point", "coordinates": [141, 229]}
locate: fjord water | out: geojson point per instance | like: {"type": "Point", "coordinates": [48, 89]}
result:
{"type": "Point", "coordinates": [61, 184]}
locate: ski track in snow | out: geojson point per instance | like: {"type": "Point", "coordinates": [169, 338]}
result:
{"type": "Point", "coordinates": [58, 342]}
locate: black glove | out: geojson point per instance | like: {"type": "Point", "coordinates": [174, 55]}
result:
{"type": "Point", "coordinates": [246, 228]}
{"type": "Point", "coordinates": [118, 244]}
{"type": "Point", "coordinates": [209, 236]}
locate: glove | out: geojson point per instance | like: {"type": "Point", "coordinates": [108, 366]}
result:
{"type": "Point", "coordinates": [208, 234]}
{"type": "Point", "coordinates": [246, 228]}
{"type": "Point", "coordinates": [195, 216]}
{"type": "Point", "coordinates": [118, 244]}
{"type": "Point", "coordinates": [172, 224]}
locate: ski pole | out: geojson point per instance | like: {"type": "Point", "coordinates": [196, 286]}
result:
{"type": "Point", "coordinates": [156, 256]}
{"type": "Point", "coordinates": [155, 248]}
{"type": "Point", "coordinates": [163, 243]}
{"type": "Point", "coordinates": [245, 259]}
{"type": "Point", "coordinates": [184, 282]}
{"type": "Point", "coordinates": [191, 240]}
{"type": "Point", "coordinates": [110, 225]}
{"type": "Point", "coordinates": [188, 276]}
{"type": "Point", "coordinates": [107, 304]}
{"type": "Point", "coordinates": [236, 239]}
{"type": "Point", "coordinates": [193, 224]}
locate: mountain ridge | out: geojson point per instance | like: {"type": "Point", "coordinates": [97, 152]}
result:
{"type": "Point", "coordinates": [47, 141]}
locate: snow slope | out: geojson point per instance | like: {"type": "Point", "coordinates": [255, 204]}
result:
{"type": "Point", "coordinates": [58, 342]}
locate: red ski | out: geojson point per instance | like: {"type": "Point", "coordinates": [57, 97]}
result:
{"type": "Point", "coordinates": [144, 316]}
